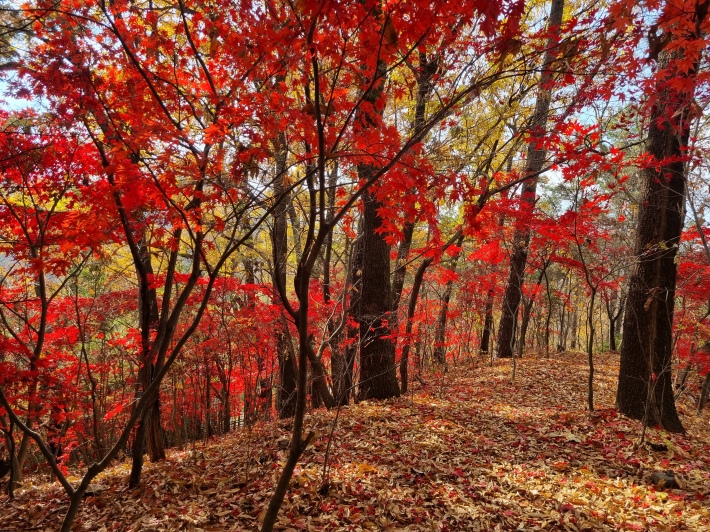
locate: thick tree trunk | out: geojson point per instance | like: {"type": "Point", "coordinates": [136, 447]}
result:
{"type": "Point", "coordinates": [645, 384]}
{"type": "Point", "coordinates": [534, 164]}
{"type": "Point", "coordinates": [378, 378]}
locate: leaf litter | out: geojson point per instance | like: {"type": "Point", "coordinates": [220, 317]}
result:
{"type": "Point", "coordinates": [470, 450]}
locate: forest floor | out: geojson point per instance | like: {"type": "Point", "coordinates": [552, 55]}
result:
{"type": "Point", "coordinates": [470, 450]}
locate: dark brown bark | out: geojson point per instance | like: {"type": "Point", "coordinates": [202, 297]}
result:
{"type": "Point", "coordinates": [343, 362]}
{"type": "Point", "coordinates": [645, 390]}
{"type": "Point", "coordinates": [286, 393]}
{"type": "Point", "coordinates": [428, 67]}
{"type": "Point", "coordinates": [413, 298]}
{"type": "Point", "coordinates": [705, 391]}
{"type": "Point", "coordinates": [614, 314]}
{"type": "Point", "coordinates": [338, 365]}
{"type": "Point", "coordinates": [378, 379]}
{"type": "Point", "coordinates": [440, 332]}
{"type": "Point", "coordinates": [149, 434]}
{"type": "Point", "coordinates": [533, 165]}
{"type": "Point", "coordinates": [487, 324]}
{"type": "Point", "coordinates": [548, 318]}
{"type": "Point", "coordinates": [11, 466]}
{"type": "Point", "coordinates": [225, 397]}
{"type": "Point", "coordinates": [400, 269]}
{"type": "Point", "coordinates": [527, 310]}
{"type": "Point", "coordinates": [320, 384]}
{"type": "Point", "coordinates": [524, 323]}
{"type": "Point", "coordinates": [416, 286]}
{"type": "Point", "coordinates": [208, 400]}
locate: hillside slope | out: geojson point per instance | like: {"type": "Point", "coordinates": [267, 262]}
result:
{"type": "Point", "coordinates": [470, 450]}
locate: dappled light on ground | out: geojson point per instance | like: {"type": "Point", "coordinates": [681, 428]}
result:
{"type": "Point", "coordinates": [470, 450]}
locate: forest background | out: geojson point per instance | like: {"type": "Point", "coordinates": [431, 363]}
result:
{"type": "Point", "coordinates": [218, 213]}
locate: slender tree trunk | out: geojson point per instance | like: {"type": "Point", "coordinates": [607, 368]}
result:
{"type": "Point", "coordinates": [14, 474]}
{"type": "Point", "coordinates": [528, 196]}
{"type": "Point", "coordinates": [614, 315]}
{"type": "Point", "coordinates": [286, 394]}
{"type": "Point", "coordinates": [590, 350]}
{"type": "Point", "coordinates": [705, 391]}
{"type": "Point", "coordinates": [416, 287]}
{"type": "Point", "coordinates": [527, 309]}
{"type": "Point", "coordinates": [149, 433]}
{"type": "Point", "coordinates": [572, 329]}
{"type": "Point", "coordinates": [645, 385]}
{"type": "Point", "coordinates": [548, 318]}
{"type": "Point", "coordinates": [427, 70]}
{"type": "Point", "coordinates": [524, 323]}
{"type": "Point", "coordinates": [338, 365]}
{"type": "Point", "coordinates": [413, 299]}
{"type": "Point", "coordinates": [24, 449]}
{"type": "Point", "coordinates": [343, 363]}
{"type": "Point", "coordinates": [487, 324]}
{"type": "Point", "coordinates": [440, 334]}
{"type": "Point", "coordinates": [208, 401]}
{"type": "Point", "coordinates": [320, 384]}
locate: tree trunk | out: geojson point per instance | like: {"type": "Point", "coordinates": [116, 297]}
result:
{"type": "Point", "coordinates": [487, 324]}
{"type": "Point", "coordinates": [440, 334]}
{"type": "Point", "coordinates": [416, 286]}
{"type": "Point", "coordinates": [527, 309]}
{"type": "Point", "coordinates": [149, 433]}
{"type": "Point", "coordinates": [524, 323]}
{"type": "Point", "coordinates": [13, 464]}
{"type": "Point", "coordinates": [344, 361]}
{"type": "Point", "coordinates": [534, 164]}
{"type": "Point", "coordinates": [378, 379]}
{"type": "Point", "coordinates": [614, 315]}
{"type": "Point", "coordinates": [320, 386]}
{"type": "Point", "coordinates": [590, 347]}
{"type": "Point", "coordinates": [428, 67]}
{"type": "Point", "coordinates": [286, 394]}
{"type": "Point", "coordinates": [704, 393]}
{"type": "Point", "coordinates": [208, 400]}
{"type": "Point", "coordinates": [645, 386]}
